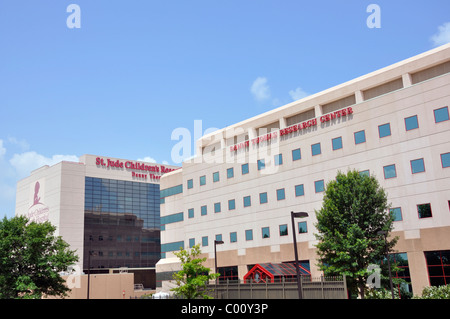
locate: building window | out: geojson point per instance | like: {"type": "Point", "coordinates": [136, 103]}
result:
{"type": "Point", "coordinates": [249, 234]}
{"type": "Point", "coordinates": [205, 241]}
{"type": "Point", "coordinates": [441, 115]}
{"type": "Point", "coordinates": [280, 194]}
{"type": "Point", "coordinates": [365, 173]}
{"type": "Point", "coordinates": [261, 164]}
{"type": "Point", "coordinates": [216, 207]}
{"type": "Point", "coordinates": [190, 213]}
{"type": "Point", "coordinates": [389, 171]}
{"type": "Point", "coordinates": [278, 159]}
{"type": "Point", "coordinates": [396, 213]}
{"type": "Point", "coordinates": [191, 242]}
{"type": "Point", "coordinates": [417, 166]}
{"type": "Point", "coordinates": [262, 198]}
{"type": "Point", "coordinates": [360, 137]}
{"type": "Point", "coordinates": [231, 204]}
{"type": "Point", "coordinates": [230, 172]}
{"type": "Point", "coordinates": [445, 160]}
{"type": "Point", "coordinates": [244, 169]}
{"type": "Point", "coordinates": [190, 183]}
{"type": "Point", "coordinates": [299, 190]}
{"type": "Point", "coordinates": [315, 149]}
{"type": "Point", "coordinates": [302, 228]}
{"type": "Point", "coordinates": [319, 186]}
{"type": "Point", "coordinates": [424, 210]}
{"type": "Point", "coordinates": [411, 123]}
{"type": "Point", "coordinates": [247, 201]}
{"type": "Point", "coordinates": [202, 180]}
{"type": "Point", "coordinates": [233, 237]}
{"type": "Point", "coordinates": [438, 264]}
{"type": "Point", "coordinates": [216, 177]}
{"type": "Point", "coordinates": [384, 130]}
{"type": "Point", "coordinates": [203, 210]}
{"type": "Point", "coordinates": [219, 237]}
{"type": "Point", "coordinates": [265, 232]}
{"type": "Point", "coordinates": [283, 230]}
{"type": "Point", "coordinates": [336, 143]}
{"type": "Point", "coordinates": [296, 154]}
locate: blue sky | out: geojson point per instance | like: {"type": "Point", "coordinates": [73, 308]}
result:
{"type": "Point", "coordinates": [136, 70]}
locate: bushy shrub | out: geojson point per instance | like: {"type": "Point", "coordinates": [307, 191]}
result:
{"type": "Point", "coordinates": [435, 292]}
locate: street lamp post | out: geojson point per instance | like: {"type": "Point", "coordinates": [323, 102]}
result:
{"type": "Point", "coordinates": [216, 242]}
{"type": "Point", "coordinates": [382, 232]}
{"type": "Point", "coordinates": [293, 216]}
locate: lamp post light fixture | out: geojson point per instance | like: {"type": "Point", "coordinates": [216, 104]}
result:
{"type": "Point", "coordinates": [384, 233]}
{"type": "Point", "coordinates": [216, 242]}
{"type": "Point", "coordinates": [293, 216]}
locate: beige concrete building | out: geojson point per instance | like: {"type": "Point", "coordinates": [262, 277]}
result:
{"type": "Point", "coordinates": [105, 205]}
{"type": "Point", "coordinates": [246, 178]}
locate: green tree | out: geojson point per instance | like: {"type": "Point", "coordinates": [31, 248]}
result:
{"type": "Point", "coordinates": [31, 258]}
{"type": "Point", "coordinates": [354, 210]}
{"type": "Point", "coordinates": [193, 277]}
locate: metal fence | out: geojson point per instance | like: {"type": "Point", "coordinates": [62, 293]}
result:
{"type": "Point", "coordinates": [312, 288]}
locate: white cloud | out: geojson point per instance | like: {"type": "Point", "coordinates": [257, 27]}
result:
{"type": "Point", "coordinates": [2, 149]}
{"type": "Point", "coordinates": [26, 162]}
{"type": "Point", "coordinates": [147, 159]}
{"type": "Point", "coordinates": [297, 94]}
{"type": "Point", "coordinates": [442, 36]}
{"type": "Point", "coordinates": [260, 89]}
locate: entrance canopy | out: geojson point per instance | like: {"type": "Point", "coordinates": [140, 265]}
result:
{"type": "Point", "coordinates": [269, 272]}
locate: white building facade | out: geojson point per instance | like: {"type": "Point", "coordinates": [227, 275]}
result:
{"type": "Point", "coordinates": [246, 179]}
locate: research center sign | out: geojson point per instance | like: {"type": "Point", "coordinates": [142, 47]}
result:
{"type": "Point", "coordinates": [143, 171]}
{"type": "Point", "coordinates": [293, 128]}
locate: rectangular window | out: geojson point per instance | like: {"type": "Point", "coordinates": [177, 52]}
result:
{"type": "Point", "coordinates": [230, 172]}
{"type": "Point", "coordinates": [445, 160]}
{"type": "Point", "coordinates": [219, 237]}
{"type": "Point", "coordinates": [319, 186]}
{"type": "Point", "coordinates": [365, 173]}
{"type": "Point", "coordinates": [315, 149]}
{"type": "Point", "coordinates": [216, 177]}
{"type": "Point", "coordinates": [204, 210]}
{"type": "Point", "coordinates": [438, 267]}
{"type": "Point", "coordinates": [249, 234]}
{"type": "Point", "coordinates": [233, 237]}
{"type": "Point", "coordinates": [216, 207]}
{"type": "Point", "coordinates": [389, 171]}
{"type": "Point", "coordinates": [202, 180]}
{"type": "Point", "coordinates": [360, 137]}
{"type": "Point", "coordinates": [296, 154]}
{"type": "Point", "coordinates": [190, 183]}
{"type": "Point", "coordinates": [280, 194]}
{"type": "Point", "coordinates": [205, 241]}
{"type": "Point", "coordinates": [441, 115]}
{"type": "Point", "coordinates": [299, 190]}
{"type": "Point", "coordinates": [191, 242]}
{"type": "Point", "coordinates": [278, 159]}
{"type": "Point", "coordinates": [262, 198]}
{"type": "Point", "coordinates": [396, 213]}
{"type": "Point", "coordinates": [265, 232]}
{"type": "Point", "coordinates": [244, 169]}
{"type": "Point", "coordinates": [283, 230]}
{"type": "Point", "coordinates": [417, 166]}
{"type": "Point", "coordinates": [190, 213]}
{"type": "Point", "coordinates": [302, 228]}
{"type": "Point", "coordinates": [261, 164]}
{"type": "Point", "coordinates": [384, 130]}
{"type": "Point", "coordinates": [424, 210]}
{"type": "Point", "coordinates": [411, 123]}
{"type": "Point", "coordinates": [231, 204]}
{"type": "Point", "coordinates": [336, 143]}
{"type": "Point", "coordinates": [247, 201]}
